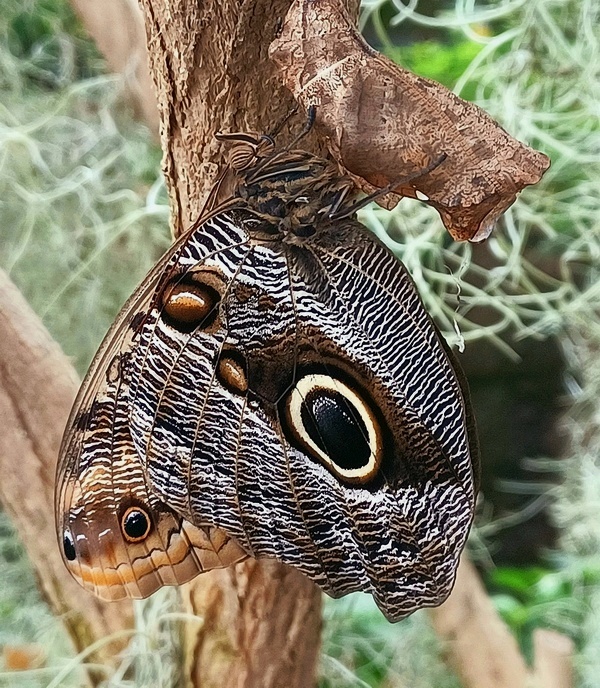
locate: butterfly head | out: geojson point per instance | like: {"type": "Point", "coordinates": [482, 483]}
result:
{"type": "Point", "coordinates": [293, 190]}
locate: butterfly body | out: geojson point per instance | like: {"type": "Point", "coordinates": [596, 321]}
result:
{"type": "Point", "coordinates": [284, 386]}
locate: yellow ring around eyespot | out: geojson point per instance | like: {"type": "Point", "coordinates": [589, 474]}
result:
{"type": "Point", "coordinates": [375, 440]}
{"type": "Point", "coordinates": [139, 538]}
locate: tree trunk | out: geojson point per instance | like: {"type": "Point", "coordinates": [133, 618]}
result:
{"type": "Point", "coordinates": [260, 626]}
{"type": "Point", "coordinates": [117, 27]}
{"type": "Point", "coordinates": [212, 73]}
{"type": "Point", "coordinates": [260, 622]}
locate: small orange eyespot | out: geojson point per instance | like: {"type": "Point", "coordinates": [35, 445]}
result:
{"type": "Point", "coordinates": [231, 372]}
{"type": "Point", "coordinates": [188, 305]}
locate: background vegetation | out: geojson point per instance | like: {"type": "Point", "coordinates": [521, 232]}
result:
{"type": "Point", "coordinates": [84, 216]}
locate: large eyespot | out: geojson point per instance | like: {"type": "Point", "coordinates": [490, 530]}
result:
{"type": "Point", "coordinates": [188, 303]}
{"type": "Point", "coordinates": [135, 524]}
{"type": "Point", "coordinates": [333, 423]}
{"type": "Point", "coordinates": [69, 546]}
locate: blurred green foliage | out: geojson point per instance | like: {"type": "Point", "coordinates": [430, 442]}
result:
{"type": "Point", "coordinates": [443, 62]}
{"type": "Point", "coordinates": [49, 42]}
{"type": "Point", "coordinates": [533, 597]}
{"type": "Point", "coordinates": [82, 208]}
{"type": "Point", "coordinates": [25, 620]}
{"type": "Point", "coordinates": [362, 650]}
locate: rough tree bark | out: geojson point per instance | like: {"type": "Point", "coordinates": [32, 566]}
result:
{"type": "Point", "coordinates": [37, 388]}
{"type": "Point", "coordinates": [261, 628]}
{"type": "Point", "coordinates": [211, 72]}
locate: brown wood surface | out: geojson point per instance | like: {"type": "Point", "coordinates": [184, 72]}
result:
{"type": "Point", "coordinates": [483, 651]}
{"type": "Point", "coordinates": [553, 665]}
{"type": "Point", "coordinates": [117, 27]}
{"type": "Point", "coordinates": [210, 66]}
{"type": "Point", "coordinates": [259, 624]}
{"type": "Point", "coordinates": [480, 646]}
{"type": "Point", "coordinates": [37, 387]}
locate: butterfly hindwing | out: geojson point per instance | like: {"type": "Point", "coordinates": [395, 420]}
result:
{"type": "Point", "coordinates": [339, 311]}
{"type": "Point", "coordinates": [117, 537]}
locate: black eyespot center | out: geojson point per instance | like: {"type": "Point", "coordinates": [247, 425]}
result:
{"type": "Point", "coordinates": [136, 524]}
{"type": "Point", "coordinates": [69, 546]}
{"type": "Point", "coordinates": [336, 427]}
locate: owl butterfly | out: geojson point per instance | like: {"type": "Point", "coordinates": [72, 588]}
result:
{"type": "Point", "coordinates": [274, 388]}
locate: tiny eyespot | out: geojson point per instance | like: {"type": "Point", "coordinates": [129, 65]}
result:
{"type": "Point", "coordinates": [231, 372]}
{"type": "Point", "coordinates": [69, 546]}
{"type": "Point", "coordinates": [135, 524]}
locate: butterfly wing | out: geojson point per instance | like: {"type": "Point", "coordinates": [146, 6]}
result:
{"type": "Point", "coordinates": [118, 539]}
{"type": "Point", "coordinates": [297, 396]}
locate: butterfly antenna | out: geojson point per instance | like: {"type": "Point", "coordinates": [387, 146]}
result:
{"type": "Point", "coordinates": [308, 125]}
{"type": "Point", "coordinates": [279, 126]}
{"type": "Point", "coordinates": [348, 211]}
{"type": "Point", "coordinates": [280, 155]}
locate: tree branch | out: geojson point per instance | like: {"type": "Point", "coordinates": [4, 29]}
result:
{"type": "Point", "coordinates": [37, 388]}
{"type": "Point", "coordinates": [483, 651]}
{"type": "Point", "coordinates": [553, 665]}
{"type": "Point", "coordinates": [117, 27]}
{"type": "Point", "coordinates": [480, 646]}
